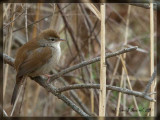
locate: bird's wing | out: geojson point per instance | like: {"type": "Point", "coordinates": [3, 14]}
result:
{"type": "Point", "coordinates": [24, 51]}
{"type": "Point", "coordinates": [34, 61]}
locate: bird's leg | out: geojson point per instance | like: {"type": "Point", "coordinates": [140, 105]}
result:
{"type": "Point", "coordinates": [48, 76]}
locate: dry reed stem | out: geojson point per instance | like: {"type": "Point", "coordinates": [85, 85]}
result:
{"type": "Point", "coordinates": [102, 95]}
{"type": "Point", "coordinates": [4, 113]}
{"type": "Point", "coordinates": [119, 96]}
{"type": "Point", "coordinates": [37, 87]}
{"type": "Point", "coordinates": [52, 19]}
{"type": "Point", "coordinates": [14, 106]}
{"type": "Point", "coordinates": [91, 79]}
{"type": "Point", "coordinates": [36, 95]}
{"type": "Point", "coordinates": [26, 105]}
{"type": "Point", "coordinates": [26, 28]}
{"type": "Point", "coordinates": [36, 18]}
{"type": "Point", "coordinates": [112, 79]}
{"type": "Point", "coordinates": [129, 83]}
{"type": "Point", "coordinates": [5, 10]}
{"type": "Point", "coordinates": [124, 56]}
{"type": "Point", "coordinates": [94, 10]}
{"type": "Point", "coordinates": [20, 90]}
{"type": "Point", "coordinates": [152, 105]}
{"type": "Point", "coordinates": [8, 49]}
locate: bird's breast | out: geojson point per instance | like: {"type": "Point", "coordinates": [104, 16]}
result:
{"type": "Point", "coordinates": [56, 53]}
{"type": "Point", "coordinates": [50, 64]}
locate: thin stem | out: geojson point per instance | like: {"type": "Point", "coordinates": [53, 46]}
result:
{"type": "Point", "coordinates": [102, 95]}
{"type": "Point", "coordinates": [152, 105]}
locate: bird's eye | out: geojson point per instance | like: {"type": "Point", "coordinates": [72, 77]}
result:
{"type": "Point", "coordinates": [52, 39]}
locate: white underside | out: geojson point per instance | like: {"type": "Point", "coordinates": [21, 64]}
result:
{"type": "Point", "coordinates": [52, 62]}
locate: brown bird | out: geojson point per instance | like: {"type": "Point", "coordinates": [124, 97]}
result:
{"type": "Point", "coordinates": [37, 57]}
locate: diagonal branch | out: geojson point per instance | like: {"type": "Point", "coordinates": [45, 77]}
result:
{"type": "Point", "coordinates": [10, 61]}
{"type": "Point", "coordinates": [49, 87]}
{"type": "Point", "coordinates": [84, 63]}
{"type": "Point", "coordinates": [53, 89]}
{"type": "Point", "coordinates": [150, 81]}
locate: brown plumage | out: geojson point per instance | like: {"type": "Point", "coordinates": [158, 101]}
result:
{"type": "Point", "coordinates": [36, 57]}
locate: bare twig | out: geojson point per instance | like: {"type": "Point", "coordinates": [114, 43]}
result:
{"type": "Point", "coordinates": [26, 22]}
{"type": "Point", "coordinates": [89, 23]}
{"type": "Point", "coordinates": [84, 63]}
{"type": "Point", "coordinates": [74, 95]}
{"type": "Point", "coordinates": [13, 20]}
{"type": "Point", "coordinates": [10, 61]}
{"type": "Point", "coordinates": [40, 19]}
{"type": "Point", "coordinates": [6, 58]}
{"type": "Point", "coordinates": [70, 31]}
{"type": "Point", "coordinates": [150, 81]}
{"type": "Point", "coordinates": [80, 103]}
{"type": "Point", "coordinates": [108, 87]}
{"type": "Point", "coordinates": [53, 90]}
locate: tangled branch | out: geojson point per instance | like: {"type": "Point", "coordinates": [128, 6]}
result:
{"type": "Point", "coordinates": [57, 91]}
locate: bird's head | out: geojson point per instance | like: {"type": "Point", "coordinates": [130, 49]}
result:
{"type": "Point", "coordinates": [49, 37]}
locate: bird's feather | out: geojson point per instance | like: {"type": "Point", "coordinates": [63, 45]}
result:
{"type": "Point", "coordinates": [34, 61]}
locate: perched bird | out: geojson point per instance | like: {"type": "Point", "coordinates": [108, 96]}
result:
{"type": "Point", "coordinates": [37, 57]}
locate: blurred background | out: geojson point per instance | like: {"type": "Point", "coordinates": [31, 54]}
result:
{"type": "Point", "coordinates": [81, 28]}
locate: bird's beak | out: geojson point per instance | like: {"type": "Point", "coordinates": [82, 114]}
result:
{"type": "Point", "coordinates": [62, 39]}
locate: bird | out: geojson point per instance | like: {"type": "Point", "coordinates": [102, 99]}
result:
{"type": "Point", "coordinates": [37, 57]}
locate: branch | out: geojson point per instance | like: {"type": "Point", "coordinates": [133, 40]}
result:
{"type": "Point", "coordinates": [41, 19]}
{"type": "Point", "coordinates": [49, 88]}
{"type": "Point", "coordinates": [108, 87]}
{"type": "Point", "coordinates": [84, 63]}
{"type": "Point", "coordinates": [90, 24]}
{"type": "Point", "coordinates": [70, 31]}
{"type": "Point", "coordinates": [10, 61]}
{"type": "Point", "coordinates": [150, 81]}
{"type": "Point", "coordinates": [53, 90]}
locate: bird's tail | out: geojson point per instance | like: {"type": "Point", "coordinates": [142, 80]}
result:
{"type": "Point", "coordinates": [15, 93]}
